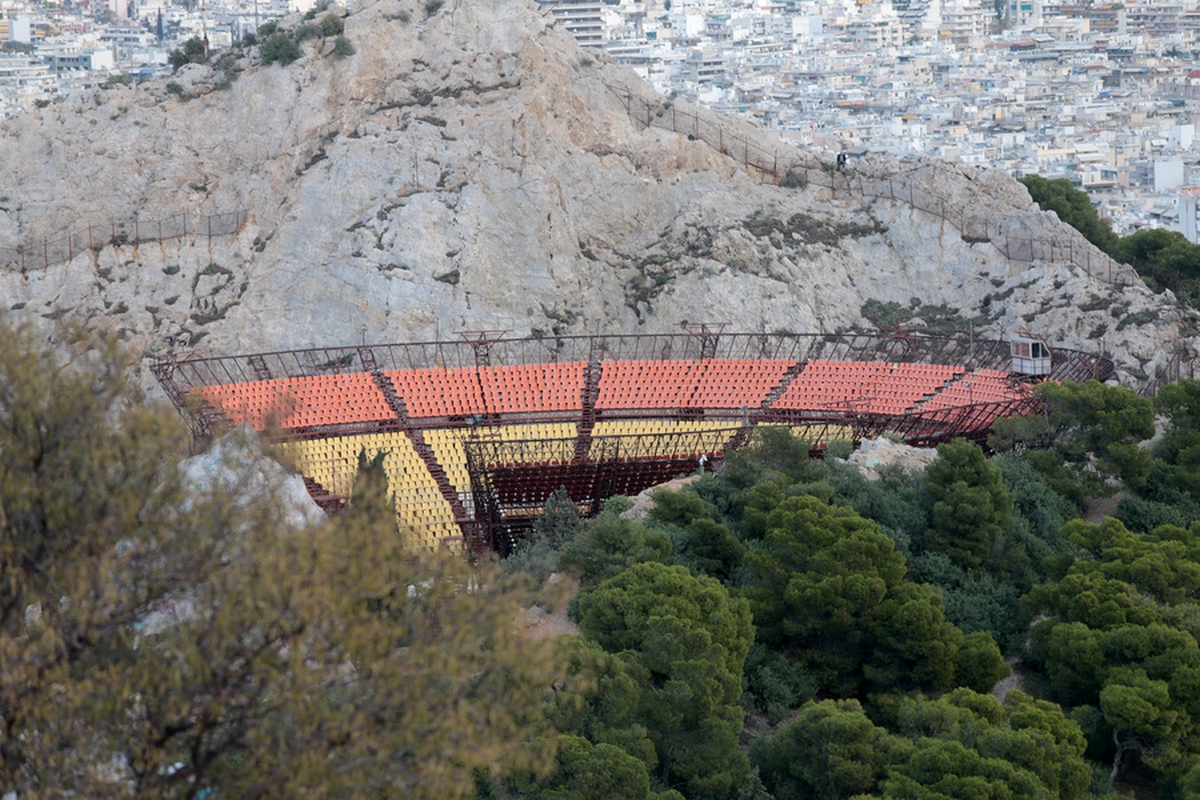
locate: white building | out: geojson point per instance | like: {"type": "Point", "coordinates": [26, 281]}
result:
{"type": "Point", "coordinates": [582, 18]}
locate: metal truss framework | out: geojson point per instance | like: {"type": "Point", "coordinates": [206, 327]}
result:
{"type": "Point", "coordinates": [509, 487]}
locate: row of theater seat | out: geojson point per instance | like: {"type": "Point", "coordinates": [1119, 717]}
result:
{"type": "Point", "coordinates": [707, 383]}
{"type": "Point", "coordinates": [878, 387]}
{"type": "Point", "coordinates": [301, 402]}
{"type": "Point", "coordinates": [540, 442]}
{"type": "Point", "coordinates": [424, 513]}
{"type": "Point", "coordinates": [979, 386]}
{"type": "Point", "coordinates": [635, 437]}
{"type": "Point", "coordinates": [865, 387]}
{"type": "Point", "coordinates": [502, 390]}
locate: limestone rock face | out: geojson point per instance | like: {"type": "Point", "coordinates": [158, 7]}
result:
{"type": "Point", "coordinates": [474, 169]}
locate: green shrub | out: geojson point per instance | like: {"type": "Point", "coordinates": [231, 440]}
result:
{"type": "Point", "coordinates": [278, 48]}
{"type": "Point", "coordinates": [433, 6]}
{"type": "Point", "coordinates": [195, 49]}
{"type": "Point", "coordinates": [173, 87]}
{"type": "Point", "coordinates": [332, 25]}
{"type": "Point", "coordinates": [266, 29]}
{"type": "Point", "coordinates": [793, 180]}
{"type": "Point", "coordinates": [193, 52]}
{"type": "Point", "coordinates": [342, 47]}
{"type": "Point", "coordinates": [307, 31]}
{"type": "Point", "coordinates": [113, 81]}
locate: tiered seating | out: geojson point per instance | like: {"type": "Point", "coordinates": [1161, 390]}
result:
{"type": "Point", "coordinates": [438, 392]}
{"type": "Point", "coordinates": [904, 384]}
{"type": "Point", "coordinates": [828, 384]}
{"type": "Point", "coordinates": [332, 463]}
{"type": "Point", "coordinates": [446, 444]}
{"type": "Point", "coordinates": [733, 383]}
{"type": "Point", "coordinates": [822, 435]}
{"type": "Point", "coordinates": [423, 512]}
{"type": "Point", "coordinates": [979, 386]}
{"type": "Point", "coordinates": [543, 442]}
{"type": "Point", "coordinates": [463, 391]}
{"type": "Point", "coordinates": [707, 383]}
{"type": "Point", "coordinates": [875, 387]}
{"type": "Point", "coordinates": [645, 384]}
{"type": "Point", "coordinates": [533, 387]}
{"type": "Point", "coordinates": [300, 402]}
{"type": "Point", "coordinates": [703, 436]}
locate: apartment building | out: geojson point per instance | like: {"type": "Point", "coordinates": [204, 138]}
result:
{"type": "Point", "coordinates": [582, 18]}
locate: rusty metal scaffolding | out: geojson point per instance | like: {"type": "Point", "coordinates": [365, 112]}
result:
{"type": "Point", "coordinates": [509, 486]}
{"type": "Point", "coordinates": [180, 374]}
{"type": "Point", "coordinates": [512, 480]}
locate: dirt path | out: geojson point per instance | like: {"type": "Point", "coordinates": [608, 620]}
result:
{"type": "Point", "coordinates": [1013, 681]}
{"type": "Point", "coordinates": [1095, 509]}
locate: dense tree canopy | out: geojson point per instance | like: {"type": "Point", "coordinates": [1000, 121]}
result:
{"type": "Point", "coordinates": [1090, 433]}
{"type": "Point", "coordinates": [1118, 637]}
{"type": "Point", "coordinates": [828, 588]}
{"type": "Point", "coordinates": [687, 640]}
{"type": "Point", "coordinates": [962, 745]}
{"type": "Point", "coordinates": [163, 637]}
{"type": "Point", "coordinates": [1073, 207]}
{"type": "Point", "coordinates": [969, 505]}
{"type": "Point", "coordinates": [784, 628]}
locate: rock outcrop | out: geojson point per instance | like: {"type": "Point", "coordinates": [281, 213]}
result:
{"type": "Point", "coordinates": [471, 168]}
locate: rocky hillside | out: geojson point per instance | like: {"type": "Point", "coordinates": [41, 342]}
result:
{"type": "Point", "coordinates": [469, 167]}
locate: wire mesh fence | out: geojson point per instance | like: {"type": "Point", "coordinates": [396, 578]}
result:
{"type": "Point", "coordinates": [40, 254]}
{"type": "Point", "coordinates": [795, 169]}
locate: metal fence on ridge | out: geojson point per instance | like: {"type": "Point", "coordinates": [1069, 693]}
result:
{"type": "Point", "coordinates": [51, 250]}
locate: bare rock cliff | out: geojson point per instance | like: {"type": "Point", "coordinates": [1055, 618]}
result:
{"type": "Point", "coordinates": [472, 168]}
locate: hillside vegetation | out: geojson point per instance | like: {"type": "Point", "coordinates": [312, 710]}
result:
{"type": "Point", "coordinates": [883, 612]}
{"type": "Point", "coordinates": [1164, 258]}
{"type": "Point", "coordinates": [782, 628]}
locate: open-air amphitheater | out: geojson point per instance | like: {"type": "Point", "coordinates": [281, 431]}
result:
{"type": "Point", "coordinates": [478, 433]}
